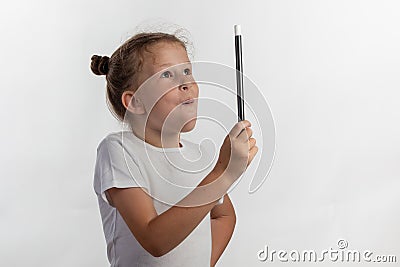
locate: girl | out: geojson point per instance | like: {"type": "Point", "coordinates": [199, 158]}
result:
{"type": "Point", "coordinates": [139, 228]}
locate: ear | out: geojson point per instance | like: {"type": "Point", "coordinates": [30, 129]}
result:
{"type": "Point", "coordinates": [132, 103]}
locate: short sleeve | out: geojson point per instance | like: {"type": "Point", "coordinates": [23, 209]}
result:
{"type": "Point", "coordinates": [116, 167]}
{"type": "Point", "coordinates": [221, 200]}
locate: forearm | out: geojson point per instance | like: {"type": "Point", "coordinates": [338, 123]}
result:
{"type": "Point", "coordinates": [170, 228]}
{"type": "Point", "coordinates": [222, 229]}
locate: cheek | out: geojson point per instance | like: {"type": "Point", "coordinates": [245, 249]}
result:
{"type": "Point", "coordinates": [166, 104]}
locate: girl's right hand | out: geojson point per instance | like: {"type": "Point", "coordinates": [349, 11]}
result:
{"type": "Point", "coordinates": [237, 150]}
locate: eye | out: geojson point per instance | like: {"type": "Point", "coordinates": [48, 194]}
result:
{"type": "Point", "coordinates": [187, 71]}
{"type": "Point", "coordinates": [166, 74]}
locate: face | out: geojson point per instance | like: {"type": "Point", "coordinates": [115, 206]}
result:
{"type": "Point", "coordinates": [166, 82]}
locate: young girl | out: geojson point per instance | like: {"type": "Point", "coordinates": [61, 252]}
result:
{"type": "Point", "coordinates": [140, 227]}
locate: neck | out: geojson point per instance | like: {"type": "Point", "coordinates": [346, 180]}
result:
{"type": "Point", "coordinates": [153, 137]}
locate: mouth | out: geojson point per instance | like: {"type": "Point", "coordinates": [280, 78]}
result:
{"type": "Point", "coordinates": [188, 101]}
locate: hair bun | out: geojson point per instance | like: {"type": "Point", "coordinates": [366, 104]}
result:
{"type": "Point", "coordinates": [99, 64]}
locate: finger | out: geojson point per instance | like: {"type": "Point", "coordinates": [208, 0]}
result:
{"type": "Point", "coordinates": [238, 128]}
{"type": "Point", "coordinates": [245, 135]}
{"type": "Point", "coordinates": [254, 150]}
{"type": "Point", "coordinates": [252, 154]}
{"type": "Point", "coordinates": [252, 142]}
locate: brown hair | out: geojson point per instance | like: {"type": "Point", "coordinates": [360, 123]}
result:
{"type": "Point", "coordinates": [125, 63]}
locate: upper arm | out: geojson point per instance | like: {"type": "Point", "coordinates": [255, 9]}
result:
{"type": "Point", "coordinates": [137, 209]}
{"type": "Point", "coordinates": [121, 184]}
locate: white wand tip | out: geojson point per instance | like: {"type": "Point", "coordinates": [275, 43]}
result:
{"type": "Point", "coordinates": [238, 31]}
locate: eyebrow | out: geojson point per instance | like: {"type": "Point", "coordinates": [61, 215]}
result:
{"type": "Point", "coordinates": [168, 64]}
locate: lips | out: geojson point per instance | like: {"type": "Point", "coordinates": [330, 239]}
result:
{"type": "Point", "coordinates": [188, 101]}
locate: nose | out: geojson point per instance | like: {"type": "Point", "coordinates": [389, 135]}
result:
{"type": "Point", "coordinates": [186, 82]}
{"type": "Point", "coordinates": [185, 85]}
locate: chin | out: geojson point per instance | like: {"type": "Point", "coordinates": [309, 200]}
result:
{"type": "Point", "coordinates": [189, 126]}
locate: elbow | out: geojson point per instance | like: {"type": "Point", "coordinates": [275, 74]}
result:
{"type": "Point", "coordinates": [153, 244]}
{"type": "Point", "coordinates": [154, 248]}
{"type": "Point", "coordinates": [157, 252]}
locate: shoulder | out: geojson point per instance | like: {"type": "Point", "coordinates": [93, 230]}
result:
{"type": "Point", "coordinates": [113, 145]}
{"type": "Point", "coordinates": [119, 146]}
{"type": "Point", "coordinates": [116, 138]}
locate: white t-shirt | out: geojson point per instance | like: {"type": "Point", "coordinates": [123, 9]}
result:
{"type": "Point", "coordinates": [124, 160]}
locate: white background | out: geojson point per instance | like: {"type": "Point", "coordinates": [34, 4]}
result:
{"type": "Point", "coordinates": [329, 70]}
